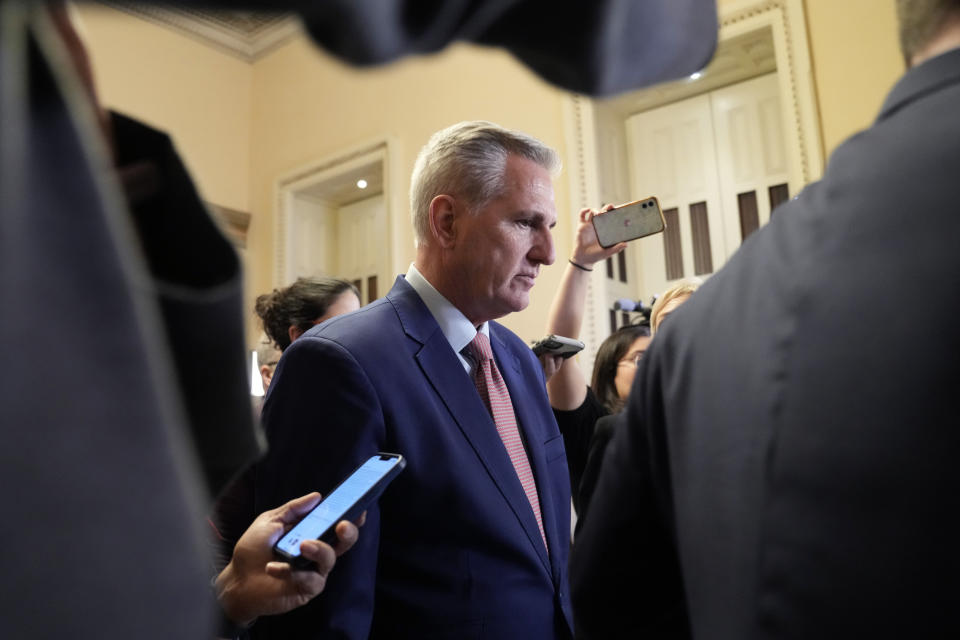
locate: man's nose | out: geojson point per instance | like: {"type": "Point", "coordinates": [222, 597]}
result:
{"type": "Point", "coordinates": [542, 251]}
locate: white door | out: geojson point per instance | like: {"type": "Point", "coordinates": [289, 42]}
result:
{"type": "Point", "coordinates": [753, 170]}
{"type": "Point", "coordinates": [311, 242]}
{"type": "Point", "coordinates": [672, 156]}
{"type": "Point", "coordinates": [362, 247]}
{"type": "Point", "coordinates": [718, 164]}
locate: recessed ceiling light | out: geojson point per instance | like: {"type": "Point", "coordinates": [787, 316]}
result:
{"type": "Point", "coordinates": [695, 76]}
{"type": "Point", "coordinates": [361, 184]}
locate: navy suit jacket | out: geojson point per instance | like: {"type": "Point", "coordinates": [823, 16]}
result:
{"type": "Point", "coordinates": [453, 549]}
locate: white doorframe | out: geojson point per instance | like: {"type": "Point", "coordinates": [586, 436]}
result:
{"type": "Point", "coordinates": [380, 151]}
{"type": "Point", "coordinates": [584, 188]}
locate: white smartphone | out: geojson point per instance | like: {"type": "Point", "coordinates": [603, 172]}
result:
{"type": "Point", "coordinates": [629, 222]}
{"type": "Point", "coordinates": [346, 502]}
{"type": "Point", "coordinates": [558, 345]}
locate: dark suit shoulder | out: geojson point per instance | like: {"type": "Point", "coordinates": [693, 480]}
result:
{"type": "Point", "coordinates": [347, 327]}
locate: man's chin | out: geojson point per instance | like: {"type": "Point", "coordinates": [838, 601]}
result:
{"type": "Point", "coordinates": [519, 303]}
{"type": "Point", "coordinates": [508, 306]}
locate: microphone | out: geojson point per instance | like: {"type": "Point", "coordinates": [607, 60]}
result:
{"type": "Point", "coordinates": [626, 304]}
{"type": "Point", "coordinates": [637, 306]}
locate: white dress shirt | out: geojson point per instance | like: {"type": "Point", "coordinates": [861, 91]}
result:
{"type": "Point", "coordinates": [458, 331]}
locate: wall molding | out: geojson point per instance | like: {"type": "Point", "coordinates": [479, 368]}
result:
{"type": "Point", "coordinates": [244, 35]}
{"type": "Point", "coordinates": [287, 185]}
{"type": "Point", "coordinates": [584, 190]}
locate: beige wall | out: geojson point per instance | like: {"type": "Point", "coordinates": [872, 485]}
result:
{"type": "Point", "coordinates": [197, 94]}
{"type": "Point", "coordinates": [241, 127]}
{"type": "Point", "coordinates": [856, 60]}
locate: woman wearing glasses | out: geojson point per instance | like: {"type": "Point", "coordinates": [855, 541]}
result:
{"type": "Point", "coordinates": [626, 367]}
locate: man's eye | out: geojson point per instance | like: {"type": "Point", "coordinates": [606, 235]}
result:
{"type": "Point", "coordinates": [524, 222]}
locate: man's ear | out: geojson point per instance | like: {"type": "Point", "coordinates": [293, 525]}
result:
{"type": "Point", "coordinates": [266, 375]}
{"type": "Point", "coordinates": [443, 218]}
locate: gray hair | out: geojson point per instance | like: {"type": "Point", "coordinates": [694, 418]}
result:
{"type": "Point", "coordinates": [468, 160]}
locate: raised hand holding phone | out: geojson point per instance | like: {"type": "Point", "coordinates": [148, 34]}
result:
{"type": "Point", "coordinates": [566, 384]}
{"type": "Point", "coordinates": [628, 221]}
{"type": "Point", "coordinates": [586, 249]}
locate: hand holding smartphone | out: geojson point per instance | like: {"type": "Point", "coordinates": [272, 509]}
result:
{"type": "Point", "coordinates": [628, 222]}
{"type": "Point", "coordinates": [558, 346]}
{"type": "Point", "coordinates": [346, 502]}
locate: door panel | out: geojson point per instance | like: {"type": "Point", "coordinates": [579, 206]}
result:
{"type": "Point", "coordinates": [311, 248]}
{"type": "Point", "coordinates": [749, 132]}
{"type": "Point", "coordinates": [716, 162]}
{"type": "Point", "coordinates": [672, 156]}
{"type": "Point", "coordinates": [362, 237]}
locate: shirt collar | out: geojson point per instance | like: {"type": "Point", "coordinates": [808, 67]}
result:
{"type": "Point", "coordinates": [458, 331]}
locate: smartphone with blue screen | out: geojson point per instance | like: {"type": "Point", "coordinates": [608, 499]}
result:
{"type": "Point", "coordinates": [346, 502]}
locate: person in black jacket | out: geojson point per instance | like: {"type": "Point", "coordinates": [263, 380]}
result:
{"type": "Point", "coordinates": [790, 457]}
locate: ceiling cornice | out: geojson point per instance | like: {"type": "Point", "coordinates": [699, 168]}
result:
{"type": "Point", "coordinates": [245, 35]}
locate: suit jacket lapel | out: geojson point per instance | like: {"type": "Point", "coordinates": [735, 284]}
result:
{"type": "Point", "coordinates": [445, 372]}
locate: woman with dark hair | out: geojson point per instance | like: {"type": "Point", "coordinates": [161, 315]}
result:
{"type": "Point", "coordinates": [615, 364]}
{"type": "Point", "coordinates": [614, 369]}
{"type": "Point", "coordinates": [579, 408]}
{"type": "Point", "coordinates": [289, 312]}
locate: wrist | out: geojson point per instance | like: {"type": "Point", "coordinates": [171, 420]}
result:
{"type": "Point", "coordinates": [227, 588]}
{"type": "Point", "coordinates": [580, 265]}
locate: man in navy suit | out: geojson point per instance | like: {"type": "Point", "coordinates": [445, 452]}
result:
{"type": "Point", "coordinates": [471, 540]}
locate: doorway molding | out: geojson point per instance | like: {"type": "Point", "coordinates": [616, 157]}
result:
{"type": "Point", "coordinates": [378, 151]}
{"type": "Point", "coordinates": [786, 20]}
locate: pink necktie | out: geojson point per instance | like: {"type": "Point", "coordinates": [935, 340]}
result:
{"type": "Point", "coordinates": [493, 391]}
